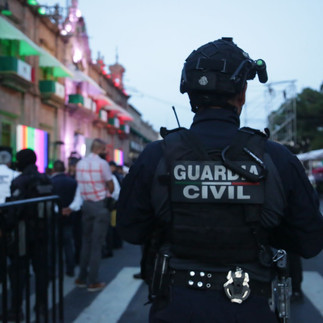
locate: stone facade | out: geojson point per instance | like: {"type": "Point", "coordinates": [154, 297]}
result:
{"type": "Point", "coordinates": [86, 103]}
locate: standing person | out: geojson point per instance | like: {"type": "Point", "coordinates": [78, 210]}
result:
{"type": "Point", "coordinates": [94, 177]}
{"type": "Point", "coordinates": [115, 172]}
{"type": "Point", "coordinates": [66, 188]}
{"type": "Point", "coordinates": [214, 200]}
{"type": "Point", "coordinates": [6, 175]}
{"type": "Point", "coordinates": [29, 184]}
{"type": "Point", "coordinates": [77, 219]}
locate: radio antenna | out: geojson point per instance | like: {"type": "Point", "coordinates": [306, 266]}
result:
{"type": "Point", "coordinates": [176, 116]}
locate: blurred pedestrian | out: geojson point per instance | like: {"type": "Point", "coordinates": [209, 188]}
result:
{"type": "Point", "coordinates": [95, 179]}
{"type": "Point", "coordinates": [77, 219]}
{"type": "Point", "coordinates": [29, 184]}
{"type": "Point", "coordinates": [112, 236]}
{"type": "Point", "coordinates": [6, 175]}
{"type": "Point", "coordinates": [114, 169]}
{"type": "Point", "coordinates": [67, 189]}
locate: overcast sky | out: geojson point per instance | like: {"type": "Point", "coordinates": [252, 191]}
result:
{"type": "Point", "coordinates": [154, 37]}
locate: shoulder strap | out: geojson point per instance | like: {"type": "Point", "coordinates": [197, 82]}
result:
{"type": "Point", "coordinates": [248, 144]}
{"type": "Point", "coordinates": [192, 148]}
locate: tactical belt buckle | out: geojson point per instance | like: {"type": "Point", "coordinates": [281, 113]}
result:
{"type": "Point", "coordinates": [237, 288]}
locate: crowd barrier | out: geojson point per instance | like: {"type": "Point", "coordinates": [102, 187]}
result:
{"type": "Point", "coordinates": [31, 260]}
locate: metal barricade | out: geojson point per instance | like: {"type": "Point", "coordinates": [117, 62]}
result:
{"type": "Point", "coordinates": [31, 236]}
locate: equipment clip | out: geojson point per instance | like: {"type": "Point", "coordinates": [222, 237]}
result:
{"type": "Point", "coordinates": [237, 288]}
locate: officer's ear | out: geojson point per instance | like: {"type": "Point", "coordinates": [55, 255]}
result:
{"type": "Point", "coordinates": [242, 95]}
{"type": "Point", "coordinates": [240, 99]}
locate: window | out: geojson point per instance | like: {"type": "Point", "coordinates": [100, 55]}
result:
{"type": "Point", "coordinates": [5, 134]}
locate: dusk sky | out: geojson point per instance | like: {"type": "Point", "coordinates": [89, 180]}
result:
{"type": "Point", "coordinates": [153, 39]}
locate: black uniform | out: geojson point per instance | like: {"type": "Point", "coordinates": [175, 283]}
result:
{"type": "Point", "coordinates": [216, 202]}
{"type": "Point", "coordinates": [299, 227]}
{"type": "Point", "coordinates": [22, 188]}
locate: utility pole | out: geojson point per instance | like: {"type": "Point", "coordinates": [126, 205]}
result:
{"type": "Point", "coordinates": [281, 111]}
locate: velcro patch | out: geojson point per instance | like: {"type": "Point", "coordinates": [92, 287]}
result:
{"type": "Point", "coordinates": [212, 182]}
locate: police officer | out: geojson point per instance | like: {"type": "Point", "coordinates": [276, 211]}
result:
{"type": "Point", "coordinates": [214, 203]}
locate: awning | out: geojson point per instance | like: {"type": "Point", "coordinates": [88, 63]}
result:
{"type": "Point", "coordinates": [48, 60]}
{"type": "Point", "coordinates": [108, 104]}
{"type": "Point", "coordinates": [27, 46]}
{"type": "Point", "coordinates": [125, 116]}
{"type": "Point", "coordinates": [102, 100]}
{"type": "Point", "coordinates": [121, 112]}
{"type": "Point", "coordinates": [79, 76]}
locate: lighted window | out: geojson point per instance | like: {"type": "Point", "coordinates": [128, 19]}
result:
{"type": "Point", "coordinates": [37, 140]}
{"type": "Point", "coordinates": [118, 156]}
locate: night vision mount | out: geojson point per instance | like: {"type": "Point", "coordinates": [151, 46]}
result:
{"type": "Point", "coordinates": [220, 67]}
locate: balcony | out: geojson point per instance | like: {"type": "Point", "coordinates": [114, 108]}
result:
{"type": "Point", "coordinates": [101, 119]}
{"type": "Point", "coordinates": [15, 73]}
{"type": "Point", "coordinates": [52, 92]}
{"type": "Point", "coordinates": [77, 101]}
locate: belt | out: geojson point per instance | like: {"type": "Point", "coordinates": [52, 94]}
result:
{"type": "Point", "coordinates": [206, 280]}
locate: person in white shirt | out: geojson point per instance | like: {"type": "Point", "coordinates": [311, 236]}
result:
{"type": "Point", "coordinates": [6, 175]}
{"type": "Point", "coordinates": [94, 178]}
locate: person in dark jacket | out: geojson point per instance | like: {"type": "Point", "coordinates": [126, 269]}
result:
{"type": "Point", "coordinates": [24, 187]}
{"type": "Point", "coordinates": [216, 202]}
{"type": "Point", "coordinates": [66, 188]}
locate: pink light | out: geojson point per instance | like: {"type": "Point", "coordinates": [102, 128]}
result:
{"type": "Point", "coordinates": [118, 156]}
{"type": "Point", "coordinates": [68, 28]}
{"type": "Point", "coordinates": [77, 55]}
{"type": "Point", "coordinates": [39, 149]}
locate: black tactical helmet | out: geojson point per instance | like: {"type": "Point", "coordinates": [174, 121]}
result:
{"type": "Point", "coordinates": [218, 70]}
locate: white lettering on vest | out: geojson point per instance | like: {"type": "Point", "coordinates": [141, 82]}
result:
{"type": "Point", "coordinates": [220, 173]}
{"type": "Point", "coordinates": [190, 174]}
{"type": "Point", "coordinates": [232, 176]}
{"type": "Point", "coordinates": [240, 195]}
{"type": "Point", "coordinates": [179, 172]}
{"type": "Point", "coordinates": [205, 192]}
{"type": "Point", "coordinates": [231, 192]}
{"type": "Point", "coordinates": [194, 189]}
{"type": "Point", "coordinates": [217, 194]}
{"type": "Point", "coordinates": [206, 173]}
{"type": "Point", "coordinates": [253, 170]}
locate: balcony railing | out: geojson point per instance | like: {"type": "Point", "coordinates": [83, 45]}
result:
{"type": "Point", "coordinates": [52, 88]}
{"type": "Point", "coordinates": [15, 73]}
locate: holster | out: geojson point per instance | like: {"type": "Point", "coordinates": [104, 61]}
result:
{"type": "Point", "coordinates": [159, 287]}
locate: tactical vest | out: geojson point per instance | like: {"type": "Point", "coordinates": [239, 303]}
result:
{"type": "Point", "coordinates": [216, 198]}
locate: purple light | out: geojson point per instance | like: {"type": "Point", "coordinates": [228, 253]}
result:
{"type": "Point", "coordinates": [68, 28]}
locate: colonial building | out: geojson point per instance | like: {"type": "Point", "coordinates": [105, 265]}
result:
{"type": "Point", "coordinates": [54, 98]}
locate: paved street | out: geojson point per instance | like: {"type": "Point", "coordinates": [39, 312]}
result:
{"type": "Point", "coordinates": [123, 299]}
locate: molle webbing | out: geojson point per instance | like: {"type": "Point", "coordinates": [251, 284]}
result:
{"type": "Point", "coordinates": [215, 233]}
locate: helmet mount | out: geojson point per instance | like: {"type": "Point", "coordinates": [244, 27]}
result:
{"type": "Point", "coordinates": [217, 71]}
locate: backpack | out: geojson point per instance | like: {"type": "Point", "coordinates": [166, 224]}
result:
{"type": "Point", "coordinates": [39, 185]}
